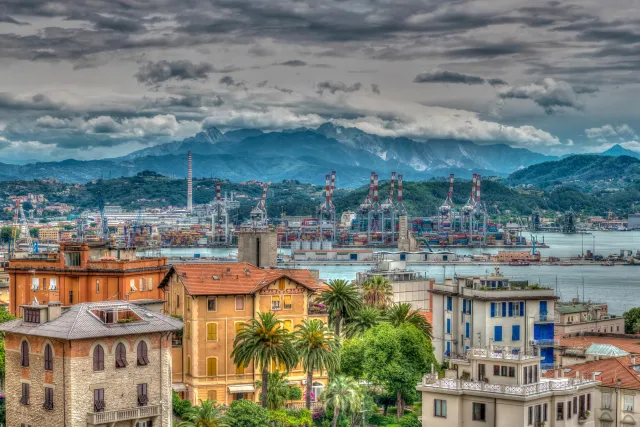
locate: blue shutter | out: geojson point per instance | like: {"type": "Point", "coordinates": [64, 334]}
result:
{"type": "Point", "coordinates": [504, 309]}
{"type": "Point", "coordinates": [466, 330]}
{"type": "Point", "coordinates": [515, 333]}
{"type": "Point", "coordinates": [521, 308]}
{"type": "Point", "coordinates": [470, 306]}
{"type": "Point", "coordinates": [449, 303]}
{"type": "Point", "coordinates": [510, 309]}
{"type": "Point", "coordinates": [493, 309]}
{"type": "Point", "coordinates": [448, 326]}
{"type": "Point", "coordinates": [497, 333]}
{"type": "Point", "coordinates": [448, 352]}
{"type": "Point", "coordinates": [464, 305]}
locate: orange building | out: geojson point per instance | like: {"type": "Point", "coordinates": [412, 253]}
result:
{"type": "Point", "coordinates": [84, 272]}
{"type": "Point", "coordinates": [214, 300]}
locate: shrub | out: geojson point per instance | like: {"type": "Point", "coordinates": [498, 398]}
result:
{"type": "Point", "coordinates": [179, 406]}
{"type": "Point", "coordinates": [244, 413]}
{"type": "Point", "coordinates": [409, 420]}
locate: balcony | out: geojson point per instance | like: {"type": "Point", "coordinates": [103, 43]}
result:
{"type": "Point", "coordinates": [512, 291]}
{"type": "Point", "coordinates": [546, 343]}
{"type": "Point", "coordinates": [108, 417]}
{"type": "Point", "coordinates": [429, 382]}
{"type": "Point", "coordinates": [546, 318]}
{"type": "Point", "coordinates": [318, 308]}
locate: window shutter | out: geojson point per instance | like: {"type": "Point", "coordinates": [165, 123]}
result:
{"type": "Point", "coordinates": [98, 358]}
{"type": "Point", "coordinates": [212, 331]}
{"type": "Point", "coordinates": [469, 306]}
{"type": "Point", "coordinates": [25, 354]}
{"type": "Point", "coordinates": [497, 333]}
{"type": "Point", "coordinates": [212, 367]}
{"type": "Point", "coordinates": [121, 356]}
{"type": "Point", "coordinates": [143, 358]}
{"type": "Point", "coordinates": [510, 309]}
{"type": "Point", "coordinates": [493, 309]}
{"type": "Point", "coordinates": [464, 305]}
{"type": "Point", "coordinates": [521, 308]}
{"type": "Point", "coordinates": [515, 332]}
{"type": "Point", "coordinates": [504, 309]}
{"type": "Point", "coordinates": [48, 358]}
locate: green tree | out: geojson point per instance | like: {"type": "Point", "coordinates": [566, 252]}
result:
{"type": "Point", "coordinates": [401, 313]}
{"type": "Point", "coordinates": [33, 232]}
{"type": "Point", "coordinates": [632, 321]}
{"type": "Point", "coordinates": [317, 348]}
{"type": "Point", "coordinates": [277, 390]}
{"type": "Point", "coordinates": [180, 406]}
{"type": "Point", "coordinates": [365, 319]}
{"type": "Point", "coordinates": [342, 300]}
{"type": "Point", "coordinates": [206, 415]}
{"type": "Point", "coordinates": [6, 233]}
{"type": "Point", "coordinates": [244, 413]}
{"type": "Point", "coordinates": [397, 358]}
{"type": "Point", "coordinates": [343, 395]}
{"type": "Point", "coordinates": [377, 292]}
{"type": "Point", "coordinates": [264, 341]}
{"type": "Point", "coordinates": [352, 358]}
{"type": "Point", "coordinates": [5, 316]}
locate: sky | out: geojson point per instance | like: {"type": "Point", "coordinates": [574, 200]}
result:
{"type": "Point", "coordinates": [91, 79]}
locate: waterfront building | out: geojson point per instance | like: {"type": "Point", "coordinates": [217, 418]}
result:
{"type": "Point", "coordinates": [503, 388]}
{"type": "Point", "coordinates": [575, 316]}
{"type": "Point", "coordinates": [618, 394]}
{"type": "Point", "coordinates": [259, 248]}
{"type": "Point", "coordinates": [84, 272]}
{"type": "Point", "coordinates": [48, 234]}
{"type": "Point", "coordinates": [215, 300]}
{"type": "Point", "coordinates": [587, 346]}
{"type": "Point", "coordinates": [341, 255]}
{"type": "Point", "coordinates": [492, 310]}
{"type": "Point", "coordinates": [408, 285]}
{"type": "Point", "coordinates": [95, 364]}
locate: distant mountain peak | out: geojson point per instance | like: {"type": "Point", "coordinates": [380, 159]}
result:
{"type": "Point", "coordinates": [210, 135]}
{"type": "Point", "coordinates": [618, 150]}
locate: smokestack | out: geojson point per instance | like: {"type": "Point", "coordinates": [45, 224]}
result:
{"type": "Point", "coordinates": [218, 191]}
{"type": "Point", "coordinates": [400, 188]}
{"type": "Point", "coordinates": [333, 181]}
{"type": "Point", "coordinates": [189, 184]}
{"type": "Point", "coordinates": [478, 189]}
{"type": "Point", "coordinates": [393, 181]}
{"type": "Point", "coordinates": [373, 174]}
{"type": "Point", "coordinates": [327, 189]}
{"type": "Point", "coordinates": [375, 188]}
{"type": "Point", "coordinates": [473, 186]}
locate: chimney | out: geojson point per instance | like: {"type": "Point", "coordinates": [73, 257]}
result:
{"type": "Point", "coordinates": [189, 184]}
{"type": "Point", "coordinates": [633, 359]}
{"type": "Point", "coordinates": [54, 310]}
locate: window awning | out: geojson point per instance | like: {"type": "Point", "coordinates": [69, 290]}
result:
{"type": "Point", "coordinates": [242, 388]}
{"type": "Point", "coordinates": [178, 387]}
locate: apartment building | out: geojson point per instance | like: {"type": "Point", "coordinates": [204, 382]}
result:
{"type": "Point", "coordinates": [492, 310]}
{"type": "Point", "coordinates": [215, 300]}
{"type": "Point", "coordinates": [503, 388]}
{"type": "Point", "coordinates": [575, 316]}
{"type": "Point", "coordinates": [84, 272]}
{"type": "Point", "coordinates": [618, 394]}
{"type": "Point", "coordinates": [96, 364]}
{"type": "Point", "coordinates": [48, 234]}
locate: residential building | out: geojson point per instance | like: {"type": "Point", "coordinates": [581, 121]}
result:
{"type": "Point", "coordinates": [84, 272]}
{"type": "Point", "coordinates": [492, 310]}
{"type": "Point", "coordinates": [215, 300]}
{"type": "Point", "coordinates": [96, 364]}
{"type": "Point", "coordinates": [576, 316]}
{"type": "Point", "coordinates": [4, 288]}
{"type": "Point", "coordinates": [408, 285]}
{"type": "Point", "coordinates": [503, 388]}
{"type": "Point", "coordinates": [586, 346]}
{"type": "Point", "coordinates": [618, 394]}
{"type": "Point", "coordinates": [48, 234]}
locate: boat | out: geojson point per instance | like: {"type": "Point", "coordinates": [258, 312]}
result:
{"type": "Point", "coordinates": [609, 264]}
{"type": "Point", "coordinates": [519, 263]}
{"type": "Point", "coordinates": [566, 263]}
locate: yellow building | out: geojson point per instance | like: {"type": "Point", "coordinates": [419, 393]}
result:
{"type": "Point", "coordinates": [49, 234]}
{"type": "Point", "coordinates": [214, 300]}
{"type": "Point", "coordinates": [4, 289]}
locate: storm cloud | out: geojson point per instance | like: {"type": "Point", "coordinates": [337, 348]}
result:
{"type": "Point", "coordinates": [157, 72]}
{"type": "Point", "coordinates": [549, 94]}
{"type": "Point", "coordinates": [333, 87]}
{"type": "Point", "coordinates": [441, 76]}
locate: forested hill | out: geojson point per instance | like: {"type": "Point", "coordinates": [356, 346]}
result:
{"type": "Point", "coordinates": [149, 189]}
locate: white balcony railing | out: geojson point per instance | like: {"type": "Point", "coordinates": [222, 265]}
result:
{"type": "Point", "coordinates": [429, 381]}
{"type": "Point", "coordinates": [128, 414]}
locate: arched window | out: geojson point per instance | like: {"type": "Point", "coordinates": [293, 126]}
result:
{"type": "Point", "coordinates": [48, 358]}
{"type": "Point", "coordinates": [317, 390]}
{"type": "Point", "coordinates": [24, 350]}
{"type": "Point", "coordinates": [98, 358]}
{"type": "Point", "coordinates": [121, 356]}
{"type": "Point", "coordinates": [143, 358]}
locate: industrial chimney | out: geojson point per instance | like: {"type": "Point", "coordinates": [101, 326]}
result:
{"type": "Point", "coordinates": [189, 185]}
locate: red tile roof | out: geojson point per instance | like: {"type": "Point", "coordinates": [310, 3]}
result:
{"type": "Point", "coordinates": [628, 344]}
{"type": "Point", "coordinates": [608, 372]}
{"type": "Point", "coordinates": [234, 278]}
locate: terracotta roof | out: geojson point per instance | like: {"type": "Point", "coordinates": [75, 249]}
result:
{"type": "Point", "coordinates": [427, 315]}
{"type": "Point", "coordinates": [608, 371]}
{"type": "Point", "coordinates": [628, 344]}
{"type": "Point", "coordinates": [234, 278]}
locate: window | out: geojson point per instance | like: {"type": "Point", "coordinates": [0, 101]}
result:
{"type": "Point", "coordinates": [31, 315]}
{"type": "Point", "coordinates": [497, 333]}
{"type": "Point", "coordinates": [35, 284]}
{"type": "Point", "coordinates": [479, 411]}
{"type": "Point", "coordinates": [606, 400]}
{"type": "Point", "coordinates": [496, 370]}
{"type": "Point", "coordinates": [187, 331]}
{"type": "Point", "coordinates": [239, 369]}
{"type": "Point", "coordinates": [48, 358]}
{"type": "Point", "coordinates": [481, 371]}
{"type": "Point", "coordinates": [48, 398]}
{"type": "Point", "coordinates": [177, 301]}
{"type": "Point", "coordinates": [44, 284]}
{"type": "Point", "coordinates": [288, 325]}
{"type": "Point", "coordinates": [24, 399]}
{"type": "Point", "coordinates": [98, 358]}
{"type": "Point", "coordinates": [239, 303]}
{"type": "Point", "coordinates": [530, 416]}
{"type": "Point", "coordinates": [512, 371]}
{"type": "Point", "coordinates": [211, 304]}
{"type": "Point", "coordinates": [143, 358]}
{"type": "Point", "coordinates": [516, 309]}
{"type": "Point", "coordinates": [212, 395]}
{"type": "Point", "coordinates": [588, 401]}
{"type": "Point", "coordinates": [569, 410]}
{"type": "Point", "coordinates": [606, 423]}
{"type": "Point", "coordinates": [515, 333]}
{"type": "Point", "coordinates": [449, 303]}
{"type": "Point", "coordinates": [560, 411]}
{"type": "Point", "coordinates": [440, 408]}
{"type": "Point", "coordinates": [504, 371]}
{"type": "Point", "coordinates": [132, 285]}
{"type": "Point", "coordinates": [53, 284]}
{"type": "Point", "coordinates": [143, 399]}
{"type": "Point", "coordinates": [448, 326]}
{"type": "Point", "coordinates": [212, 366]}
{"type": "Point", "coordinates": [98, 400]}
{"type": "Point", "coordinates": [24, 352]}
{"type": "Point", "coordinates": [281, 285]}
{"type": "Point", "coordinates": [73, 259]}
{"type": "Point", "coordinates": [121, 356]}
{"type": "Point", "coordinates": [575, 405]}
{"type": "Point", "coordinates": [97, 286]}
{"type": "Point", "coordinates": [70, 297]}
{"type": "Point", "coordinates": [627, 404]}
{"type": "Point", "coordinates": [467, 330]}
{"type": "Point", "coordinates": [275, 303]}
{"type": "Point", "coordinates": [545, 410]}
{"type": "Point", "coordinates": [287, 302]}
{"type": "Point", "coordinates": [212, 332]}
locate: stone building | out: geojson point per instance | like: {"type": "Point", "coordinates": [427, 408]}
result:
{"type": "Point", "coordinates": [259, 248]}
{"type": "Point", "coordinates": [84, 272]}
{"type": "Point", "coordinates": [96, 364]}
{"type": "Point", "coordinates": [575, 316]}
{"type": "Point", "coordinates": [214, 300]}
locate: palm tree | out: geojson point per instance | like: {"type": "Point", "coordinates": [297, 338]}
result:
{"type": "Point", "coordinates": [318, 349]}
{"type": "Point", "coordinates": [377, 292]}
{"type": "Point", "coordinates": [365, 319]}
{"type": "Point", "coordinates": [402, 313]}
{"type": "Point", "coordinates": [343, 394]}
{"type": "Point", "coordinates": [278, 390]}
{"type": "Point", "coordinates": [264, 341]}
{"type": "Point", "coordinates": [205, 415]}
{"type": "Point", "coordinates": [342, 300]}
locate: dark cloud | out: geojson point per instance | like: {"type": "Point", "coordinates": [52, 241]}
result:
{"type": "Point", "coordinates": [38, 102]}
{"type": "Point", "coordinates": [9, 20]}
{"type": "Point", "coordinates": [334, 87]}
{"type": "Point", "coordinates": [375, 88]}
{"type": "Point", "coordinates": [497, 82]}
{"type": "Point", "coordinates": [490, 50]}
{"type": "Point", "coordinates": [549, 94]}
{"type": "Point", "coordinates": [283, 90]}
{"type": "Point", "coordinates": [440, 76]}
{"type": "Point", "coordinates": [230, 82]}
{"type": "Point", "coordinates": [116, 24]}
{"type": "Point", "coordinates": [157, 72]}
{"type": "Point", "coordinates": [293, 63]}
{"type": "Point", "coordinates": [263, 83]}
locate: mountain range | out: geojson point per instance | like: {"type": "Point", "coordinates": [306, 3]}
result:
{"type": "Point", "coordinates": [302, 154]}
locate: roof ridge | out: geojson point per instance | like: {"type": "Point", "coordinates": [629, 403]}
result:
{"type": "Point", "coordinates": [73, 325]}
{"type": "Point", "coordinates": [630, 371]}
